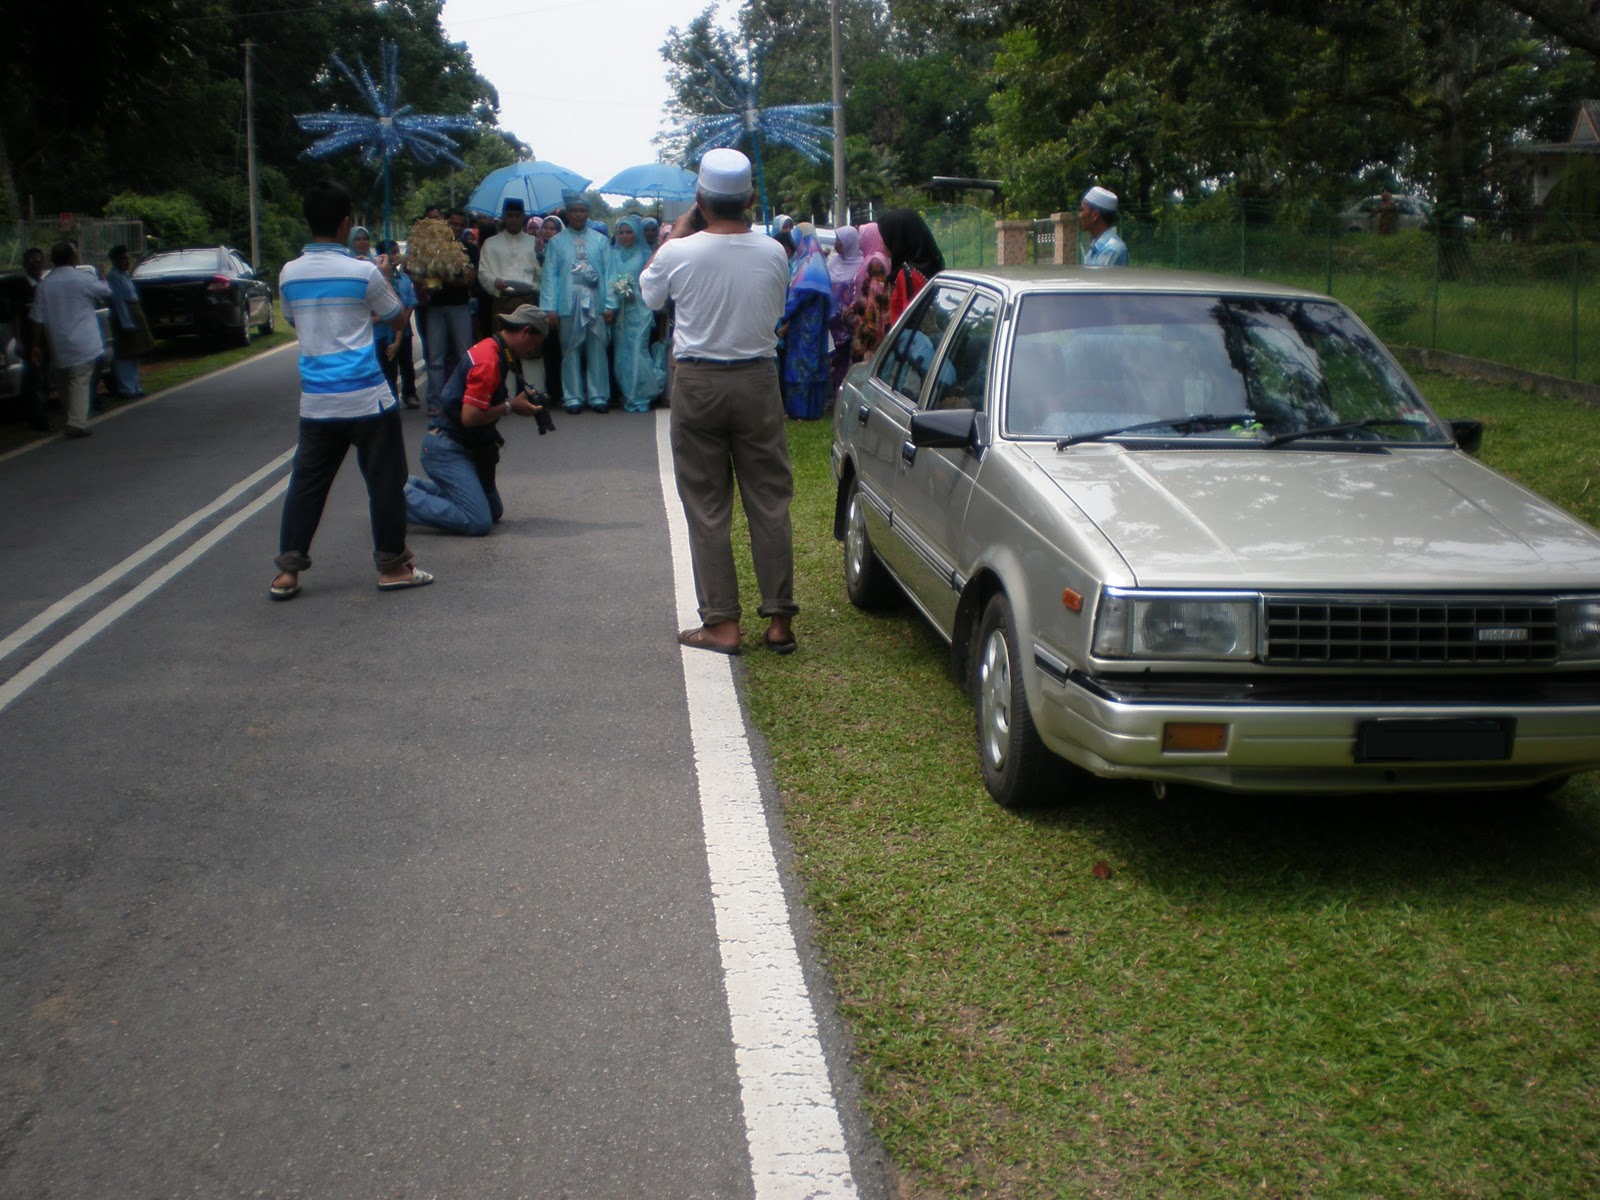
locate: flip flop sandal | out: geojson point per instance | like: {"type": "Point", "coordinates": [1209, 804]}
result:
{"type": "Point", "coordinates": [284, 593]}
{"type": "Point", "coordinates": [781, 645]}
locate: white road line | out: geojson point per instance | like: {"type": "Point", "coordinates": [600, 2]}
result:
{"type": "Point", "coordinates": [792, 1124]}
{"type": "Point", "coordinates": [111, 613]}
{"type": "Point", "coordinates": [134, 561]}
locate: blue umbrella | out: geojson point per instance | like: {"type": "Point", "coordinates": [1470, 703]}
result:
{"type": "Point", "coordinates": [539, 185]}
{"type": "Point", "coordinates": [651, 181]}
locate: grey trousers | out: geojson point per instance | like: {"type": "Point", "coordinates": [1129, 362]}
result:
{"type": "Point", "coordinates": [727, 428]}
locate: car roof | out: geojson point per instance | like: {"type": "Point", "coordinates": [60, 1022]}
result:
{"type": "Point", "coordinates": [1020, 280]}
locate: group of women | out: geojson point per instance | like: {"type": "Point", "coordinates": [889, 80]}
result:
{"type": "Point", "coordinates": [841, 305]}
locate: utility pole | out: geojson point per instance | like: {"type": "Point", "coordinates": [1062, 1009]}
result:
{"type": "Point", "coordinates": [250, 151]}
{"type": "Point", "coordinates": [841, 202]}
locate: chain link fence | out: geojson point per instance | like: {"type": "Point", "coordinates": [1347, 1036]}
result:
{"type": "Point", "coordinates": [93, 237]}
{"type": "Point", "coordinates": [1525, 295]}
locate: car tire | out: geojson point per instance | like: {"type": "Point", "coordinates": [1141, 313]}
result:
{"type": "Point", "coordinates": [247, 331]}
{"type": "Point", "coordinates": [866, 579]}
{"type": "Point", "coordinates": [1018, 770]}
{"type": "Point", "coordinates": [270, 325]}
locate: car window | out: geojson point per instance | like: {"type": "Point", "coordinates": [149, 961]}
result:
{"type": "Point", "coordinates": [964, 374]}
{"type": "Point", "coordinates": [178, 262]}
{"type": "Point", "coordinates": [906, 365]}
{"type": "Point", "coordinates": [1080, 364]}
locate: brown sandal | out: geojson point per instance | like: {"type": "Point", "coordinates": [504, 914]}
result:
{"type": "Point", "coordinates": [700, 639]}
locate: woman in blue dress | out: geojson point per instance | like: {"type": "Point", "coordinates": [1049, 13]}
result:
{"type": "Point", "coordinates": [808, 346]}
{"type": "Point", "coordinates": [634, 369]}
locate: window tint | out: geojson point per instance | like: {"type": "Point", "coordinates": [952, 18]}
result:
{"type": "Point", "coordinates": [907, 363]}
{"type": "Point", "coordinates": [180, 262]}
{"type": "Point", "coordinates": [965, 370]}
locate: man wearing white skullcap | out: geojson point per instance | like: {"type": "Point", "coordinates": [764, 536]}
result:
{"type": "Point", "coordinates": [1097, 216]}
{"type": "Point", "coordinates": [727, 283]}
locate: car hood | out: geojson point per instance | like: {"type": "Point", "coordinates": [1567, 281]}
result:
{"type": "Point", "coordinates": [1317, 518]}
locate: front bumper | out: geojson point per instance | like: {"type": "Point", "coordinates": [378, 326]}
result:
{"type": "Point", "coordinates": [1303, 735]}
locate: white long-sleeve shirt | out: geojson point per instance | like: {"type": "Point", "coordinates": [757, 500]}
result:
{"type": "Point", "coordinates": [512, 257]}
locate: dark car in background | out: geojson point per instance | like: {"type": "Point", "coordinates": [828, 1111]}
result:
{"type": "Point", "coordinates": [208, 291]}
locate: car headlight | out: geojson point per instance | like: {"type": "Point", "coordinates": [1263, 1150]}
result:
{"type": "Point", "coordinates": [1175, 625]}
{"type": "Point", "coordinates": [1578, 629]}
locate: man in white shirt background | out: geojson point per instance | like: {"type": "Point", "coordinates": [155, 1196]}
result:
{"type": "Point", "coordinates": [63, 310]}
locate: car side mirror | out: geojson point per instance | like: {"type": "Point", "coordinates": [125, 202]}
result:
{"type": "Point", "coordinates": [946, 429]}
{"type": "Point", "coordinates": [1468, 432]}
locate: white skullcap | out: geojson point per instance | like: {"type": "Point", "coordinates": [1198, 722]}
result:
{"type": "Point", "coordinates": [1099, 197]}
{"type": "Point", "coordinates": [724, 174]}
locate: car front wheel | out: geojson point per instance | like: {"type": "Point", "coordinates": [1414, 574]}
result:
{"type": "Point", "coordinates": [271, 323]}
{"type": "Point", "coordinates": [246, 331]}
{"type": "Point", "coordinates": [866, 580]}
{"type": "Point", "coordinates": [1017, 769]}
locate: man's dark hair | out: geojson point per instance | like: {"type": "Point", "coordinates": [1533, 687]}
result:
{"type": "Point", "coordinates": [63, 254]}
{"type": "Point", "coordinates": [724, 208]}
{"type": "Point", "coordinates": [325, 207]}
{"type": "Point", "coordinates": [116, 252]}
{"type": "Point", "coordinates": [30, 252]}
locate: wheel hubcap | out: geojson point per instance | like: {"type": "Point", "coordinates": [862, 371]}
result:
{"type": "Point", "coordinates": [855, 539]}
{"type": "Point", "coordinates": [994, 699]}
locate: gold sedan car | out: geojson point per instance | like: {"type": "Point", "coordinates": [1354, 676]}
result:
{"type": "Point", "coordinates": [1201, 530]}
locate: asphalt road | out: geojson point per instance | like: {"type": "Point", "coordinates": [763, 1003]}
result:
{"type": "Point", "coordinates": [378, 895]}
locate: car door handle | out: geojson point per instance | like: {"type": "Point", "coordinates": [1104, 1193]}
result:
{"type": "Point", "coordinates": [908, 452]}
{"type": "Point", "coordinates": [861, 414]}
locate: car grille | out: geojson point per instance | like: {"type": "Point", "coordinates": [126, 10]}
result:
{"type": "Point", "coordinates": [1408, 631]}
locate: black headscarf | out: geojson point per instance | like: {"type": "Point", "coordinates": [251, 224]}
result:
{"type": "Point", "coordinates": [910, 242]}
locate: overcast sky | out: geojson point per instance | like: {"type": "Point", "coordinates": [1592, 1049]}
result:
{"type": "Point", "coordinates": [582, 83]}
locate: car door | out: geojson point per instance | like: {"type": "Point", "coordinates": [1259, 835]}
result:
{"type": "Point", "coordinates": [883, 411]}
{"type": "Point", "coordinates": [933, 485]}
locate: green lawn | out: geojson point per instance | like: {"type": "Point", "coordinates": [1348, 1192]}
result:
{"type": "Point", "coordinates": [1201, 996]}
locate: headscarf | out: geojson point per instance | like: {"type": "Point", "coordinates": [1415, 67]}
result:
{"type": "Point", "coordinates": [781, 223]}
{"type": "Point", "coordinates": [845, 265]}
{"type": "Point", "coordinates": [910, 242]}
{"type": "Point", "coordinates": [651, 230]}
{"type": "Point", "coordinates": [358, 231]}
{"type": "Point", "coordinates": [810, 272]}
{"type": "Point", "coordinates": [630, 260]}
{"type": "Point", "coordinates": [871, 243]}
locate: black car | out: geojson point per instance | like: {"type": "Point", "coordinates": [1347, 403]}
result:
{"type": "Point", "coordinates": [206, 290]}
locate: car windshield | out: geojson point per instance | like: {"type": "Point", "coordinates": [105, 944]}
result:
{"type": "Point", "coordinates": [179, 262]}
{"type": "Point", "coordinates": [1090, 367]}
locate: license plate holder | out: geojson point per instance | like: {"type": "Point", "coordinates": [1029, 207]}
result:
{"type": "Point", "coordinates": [1447, 739]}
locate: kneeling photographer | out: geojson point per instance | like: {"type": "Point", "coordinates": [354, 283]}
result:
{"type": "Point", "coordinates": [462, 445]}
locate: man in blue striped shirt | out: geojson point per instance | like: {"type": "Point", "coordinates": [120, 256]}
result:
{"type": "Point", "coordinates": [332, 300]}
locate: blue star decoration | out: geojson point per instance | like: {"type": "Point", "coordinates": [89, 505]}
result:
{"type": "Point", "coordinates": [792, 125]}
{"type": "Point", "coordinates": [739, 95]}
{"type": "Point", "coordinates": [391, 129]}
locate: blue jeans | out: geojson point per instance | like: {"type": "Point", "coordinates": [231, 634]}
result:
{"type": "Point", "coordinates": [452, 498]}
{"type": "Point", "coordinates": [381, 453]}
{"type": "Point", "coordinates": [582, 356]}
{"type": "Point", "coordinates": [446, 336]}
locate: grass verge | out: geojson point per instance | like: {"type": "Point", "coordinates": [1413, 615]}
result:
{"type": "Point", "coordinates": [1201, 996]}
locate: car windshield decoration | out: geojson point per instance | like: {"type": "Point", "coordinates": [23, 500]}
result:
{"type": "Point", "coordinates": [1256, 371]}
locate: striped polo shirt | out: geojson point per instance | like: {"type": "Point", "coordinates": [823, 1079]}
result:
{"type": "Point", "coordinates": [330, 298]}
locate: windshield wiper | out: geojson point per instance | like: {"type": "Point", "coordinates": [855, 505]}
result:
{"type": "Point", "coordinates": [1179, 424]}
{"type": "Point", "coordinates": [1295, 435]}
